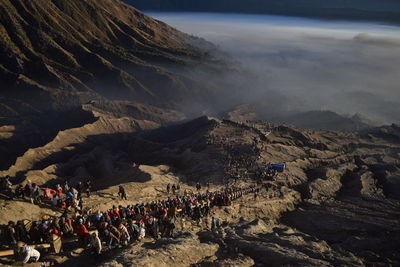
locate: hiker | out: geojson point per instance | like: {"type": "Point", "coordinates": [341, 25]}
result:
{"type": "Point", "coordinates": [35, 194]}
{"type": "Point", "coordinates": [255, 195]}
{"type": "Point", "coordinates": [21, 232]}
{"type": "Point", "coordinates": [197, 214]}
{"type": "Point", "coordinates": [8, 188]}
{"type": "Point", "coordinates": [66, 226]}
{"type": "Point", "coordinates": [82, 232]}
{"type": "Point", "coordinates": [88, 188]}
{"type": "Point", "coordinates": [80, 203]}
{"type": "Point", "coordinates": [114, 235]}
{"type": "Point", "coordinates": [79, 187]}
{"type": "Point", "coordinates": [168, 188]}
{"type": "Point", "coordinates": [198, 186]}
{"type": "Point", "coordinates": [173, 189]}
{"type": "Point", "coordinates": [122, 193]}
{"type": "Point", "coordinates": [27, 254]}
{"type": "Point", "coordinates": [66, 186]}
{"type": "Point", "coordinates": [10, 234]}
{"type": "Point", "coordinates": [110, 238]}
{"type": "Point", "coordinates": [28, 188]}
{"type": "Point", "coordinates": [95, 243]}
{"type": "Point", "coordinates": [142, 232]}
{"type": "Point", "coordinates": [34, 233]}
{"type": "Point", "coordinates": [19, 191]}
{"type": "Point", "coordinates": [213, 224]}
{"type": "Point", "coordinates": [125, 237]}
{"type": "Point", "coordinates": [59, 190]}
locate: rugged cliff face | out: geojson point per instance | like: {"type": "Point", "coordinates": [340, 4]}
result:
{"type": "Point", "coordinates": [336, 203]}
{"type": "Point", "coordinates": [57, 54]}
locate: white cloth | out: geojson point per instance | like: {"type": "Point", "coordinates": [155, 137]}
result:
{"type": "Point", "coordinates": [96, 243]}
{"type": "Point", "coordinates": [142, 233]}
{"type": "Point", "coordinates": [29, 253]}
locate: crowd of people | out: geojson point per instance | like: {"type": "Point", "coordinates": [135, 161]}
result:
{"type": "Point", "coordinates": [63, 196]}
{"type": "Point", "coordinates": [120, 225]}
{"type": "Point", "coordinates": [240, 158]}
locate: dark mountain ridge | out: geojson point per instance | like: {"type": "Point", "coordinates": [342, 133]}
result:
{"type": "Point", "coordinates": [386, 10]}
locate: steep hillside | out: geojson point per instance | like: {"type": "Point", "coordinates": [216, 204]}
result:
{"type": "Point", "coordinates": [336, 203]}
{"type": "Point", "coordinates": [55, 54]}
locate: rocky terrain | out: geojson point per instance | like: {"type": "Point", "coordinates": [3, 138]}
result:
{"type": "Point", "coordinates": [337, 203]}
{"type": "Point", "coordinates": [96, 90]}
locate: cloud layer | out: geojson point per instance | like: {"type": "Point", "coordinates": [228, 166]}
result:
{"type": "Point", "coordinates": [342, 66]}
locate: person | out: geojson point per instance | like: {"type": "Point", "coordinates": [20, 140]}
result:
{"type": "Point", "coordinates": [8, 187]}
{"type": "Point", "coordinates": [19, 191]}
{"type": "Point", "coordinates": [95, 243]}
{"type": "Point", "coordinates": [79, 187]}
{"type": "Point", "coordinates": [10, 234]}
{"type": "Point", "coordinates": [35, 194]}
{"type": "Point", "coordinates": [34, 233]}
{"type": "Point", "coordinates": [198, 186]}
{"type": "Point", "coordinates": [122, 193]}
{"type": "Point", "coordinates": [111, 238]}
{"type": "Point", "coordinates": [82, 232]}
{"type": "Point", "coordinates": [59, 190]}
{"type": "Point", "coordinates": [142, 231]}
{"type": "Point", "coordinates": [27, 254]}
{"type": "Point", "coordinates": [168, 188]}
{"type": "Point", "coordinates": [28, 188]}
{"type": "Point", "coordinates": [66, 186]}
{"type": "Point", "coordinates": [80, 203]}
{"type": "Point", "coordinates": [213, 224]}
{"type": "Point", "coordinates": [88, 188]}
{"type": "Point", "coordinates": [124, 234]}
{"type": "Point", "coordinates": [21, 232]}
{"type": "Point", "coordinates": [173, 189]}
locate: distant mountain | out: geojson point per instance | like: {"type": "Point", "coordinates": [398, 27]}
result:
{"type": "Point", "coordinates": [56, 54]}
{"type": "Point", "coordinates": [315, 119]}
{"type": "Point", "coordinates": [385, 10]}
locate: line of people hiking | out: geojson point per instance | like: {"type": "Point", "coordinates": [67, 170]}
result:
{"type": "Point", "coordinates": [120, 225]}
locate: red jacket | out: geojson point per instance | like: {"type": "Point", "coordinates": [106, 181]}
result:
{"type": "Point", "coordinates": [116, 213]}
{"type": "Point", "coordinates": [81, 230]}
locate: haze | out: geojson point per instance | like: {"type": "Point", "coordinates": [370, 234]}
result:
{"type": "Point", "coordinates": [346, 67]}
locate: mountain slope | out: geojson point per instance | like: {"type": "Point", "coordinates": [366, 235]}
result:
{"type": "Point", "coordinates": [61, 53]}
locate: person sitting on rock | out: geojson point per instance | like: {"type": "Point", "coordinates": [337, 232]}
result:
{"type": "Point", "coordinates": [10, 234]}
{"type": "Point", "coordinates": [34, 233]}
{"type": "Point", "coordinates": [27, 254]}
{"type": "Point", "coordinates": [124, 234]}
{"type": "Point", "coordinates": [21, 232]}
{"type": "Point", "coordinates": [95, 243]}
{"type": "Point", "coordinates": [19, 191]}
{"type": "Point", "coordinates": [82, 232]}
{"type": "Point", "coordinates": [111, 238]}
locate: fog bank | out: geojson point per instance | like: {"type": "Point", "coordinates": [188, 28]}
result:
{"type": "Point", "coordinates": [346, 67]}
